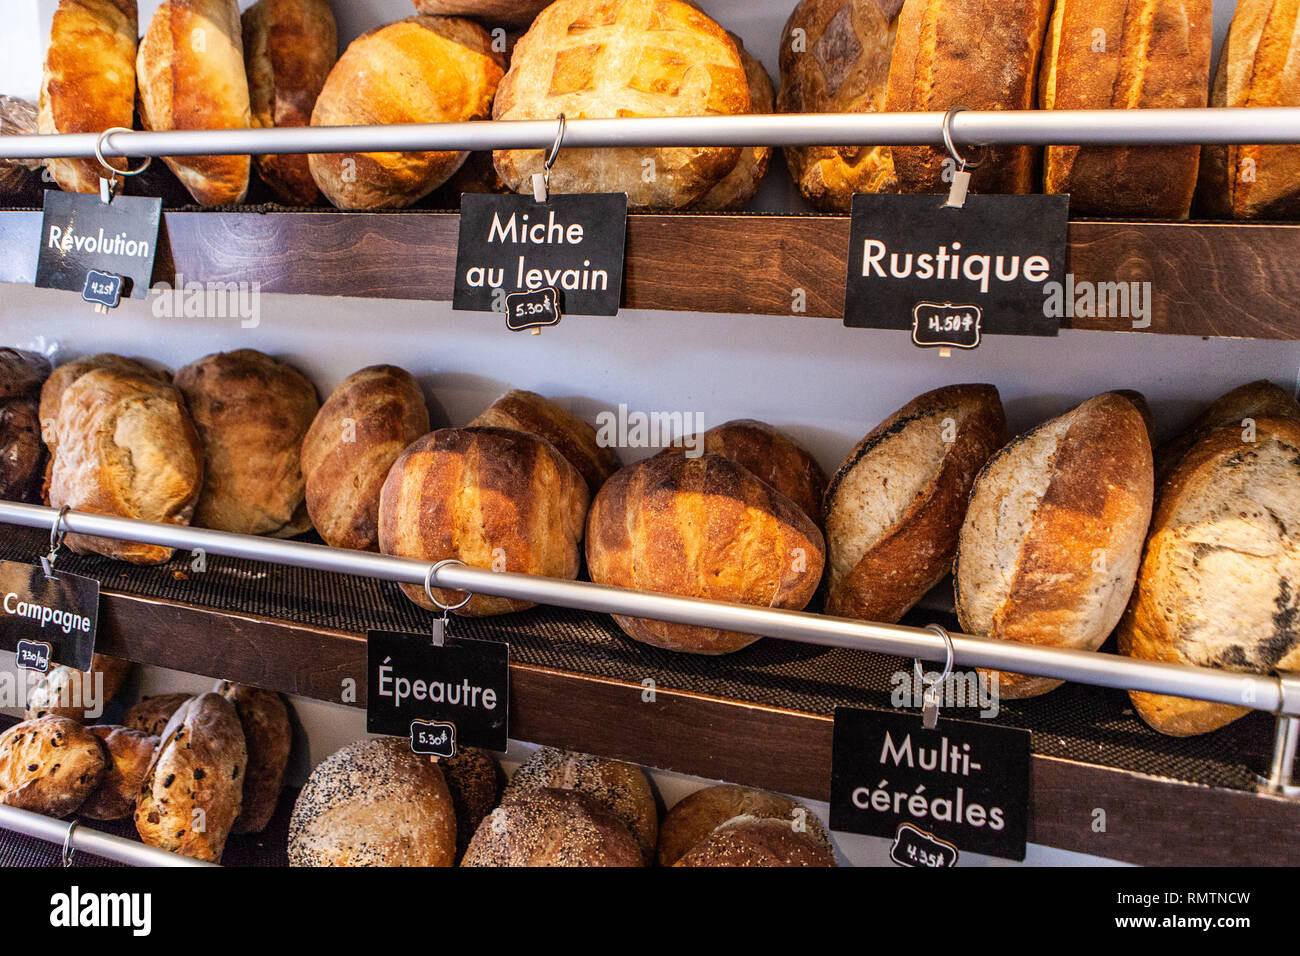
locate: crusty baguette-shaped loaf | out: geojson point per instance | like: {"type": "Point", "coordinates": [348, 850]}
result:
{"type": "Point", "coordinates": [474, 782]}
{"type": "Point", "coordinates": [490, 497]}
{"type": "Point", "coordinates": [896, 505]}
{"type": "Point", "coordinates": [152, 714]}
{"type": "Point", "coordinates": [621, 788]}
{"type": "Point", "coordinates": [125, 446]}
{"type": "Point", "coordinates": [734, 191]}
{"type": "Point", "coordinates": [702, 527]}
{"type": "Point", "coordinates": [49, 766]}
{"type": "Point", "coordinates": [1218, 583]}
{"type": "Point", "coordinates": [840, 64]}
{"type": "Point", "coordinates": [64, 692]}
{"type": "Point", "coordinates": [417, 70]}
{"type": "Point", "coordinates": [264, 718]}
{"type": "Point", "coordinates": [572, 437]}
{"type": "Point", "coordinates": [1152, 54]}
{"type": "Point", "coordinates": [63, 376]}
{"type": "Point", "coordinates": [696, 816]}
{"type": "Point", "coordinates": [128, 755]}
{"type": "Point", "coordinates": [362, 427]}
{"type": "Point", "coordinates": [1053, 534]}
{"type": "Point", "coordinates": [552, 827]}
{"type": "Point", "coordinates": [758, 841]}
{"type": "Point", "coordinates": [1257, 67]}
{"type": "Point", "coordinates": [592, 59]}
{"type": "Point", "coordinates": [252, 412]}
{"type": "Point", "coordinates": [971, 53]}
{"type": "Point", "coordinates": [506, 13]}
{"type": "Point", "coordinates": [373, 803]}
{"type": "Point", "coordinates": [89, 81]}
{"type": "Point", "coordinates": [22, 373]}
{"type": "Point", "coordinates": [192, 790]}
{"type": "Point", "coordinates": [190, 70]}
{"type": "Point", "coordinates": [289, 48]}
{"type": "Point", "coordinates": [1252, 401]}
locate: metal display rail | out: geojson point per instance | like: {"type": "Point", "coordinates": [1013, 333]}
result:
{"type": "Point", "coordinates": [78, 838]}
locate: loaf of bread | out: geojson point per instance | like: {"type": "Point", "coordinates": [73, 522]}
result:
{"type": "Point", "coordinates": [734, 191]}
{"type": "Point", "coordinates": [190, 69]}
{"type": "Point", "coordinates": [58, 381]}
{"type": "Point", "coordinates": [702, 527]}
{"type": "Point", "coordinates": [595, 59]}
{"type": "Point", "coordinates": [418, 70]}
{"type": "Point", "coordinates": [49, 766]}
{"type": "Point", "coordinates": [967, 53]}
{"type": "Point", "coordinates": [1053, 534]}
{"type": "Point", "coordinates": [490, 497]}
{"type": "Point", "coordinates": [22, 452]}
{"type": "Point", "coordinates": [896, 504]}
{"type": "Point", "coordinates": [835, 58]}
{"type": "Point", "coordinates": [1239, 407]}
{"type": "Point", "coordinates": [191, 792]}
{"type": "Point", "coordinates": [506, 13]}
{"type": "Point", "coordinates": [1116, 55]}
{"type": "Point", "coordinates": [22, 373]}
{"type": "Point", "coordinates": [573, 438]}
{"type": "Point", "coordinates": [1256, 68]}
{"type": "Point", "coordinates": [289, 48]}
{"type": "Point", "coordinates": [252, 412]}
{"type": "Point", "coordinates": [474, 781]}
{"type": "Point", "coordinates": [552, 827]}
{"type": "Point", "coordinates": [698, 815]}
{"type": "Point", "coordinates": [758, 841]}
{"type": "Point", "coordinates": [129, 753]}
{"type": "Point", "coordinates": [620, 788]}
{"type": "Point", "coordinates": [1217, 586]}
{"type": "Point", "coordinates": [65, 692]}
{"type": "Point", "coordinates": [125, 446]}
{"type": "Point", "coordinates": [374, 803]}
{"type": "Point", "coordinates": [354, 439]}
{"type": "Point", "coordinates": [89, 81]}
{"type": "Point", "coordinates": [150, 715]}
{"type": "Point", "coordinates": [264, 718]}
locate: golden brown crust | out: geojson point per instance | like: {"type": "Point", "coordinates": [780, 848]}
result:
{"type": "Point", "coordinates": [129, 754]}
{"type": "Point", "coordinates": [973, 54]}
{"type": "Point", "coordinates": [151, 715]}
{"type": "Point", "coordinates": [366, 422]}
{"type": "Point", "coordinates": [264, 718]}
{"type": "Point", "coordinates": [734, 191]}
{"type": "Point", "coordinates": [552, 827]}
{"type": "Point", "coordinates": [252, 412]}
{"type": "Point", "coordinates": [699, 814]}
{"type": "Point", "coordinates": [67, 373]}
{"type": "Point", "coordinates": [490, 497]}
{"type": "Point", "coordinates": [49, 766]}
{"type": "Point", "coordinates": [190, 70]}
{"type": "Point", "coordinates": [418, 70]}
{"type": "Point", "coordinates": [62, 692]}
{"type": "Point", "coordinates": [289, 48]}
{"type": "Point", "coordinates": [1155, 55]}
{"type": "Point", "coordinates": [703, 527]}
{"type": "Point", "coordinates": [1254, 400]}
{"type": "Point", "coordinates": [507, 13]}
{"type": "Point", "coordinates": [591, 59]}
{"type": "Point", "coordinates": [474, 782]}
{"type": "Point", "coordinates": [758, 841]}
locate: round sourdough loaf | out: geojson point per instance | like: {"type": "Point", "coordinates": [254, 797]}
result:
{"type": "Point", "coordinates": [552, 827]}
{"type": "Point", "coordinates": [129, 753]}
{"type": "Point", "coordinates": [22, 373]}
{"type": "Point", "coordinates": [49, 765]}
{"type": "Point", "coordinates": [1053, 535]}
{"type": "Point", "coordinates": [58, 381]}
{"type": "Point", "coordinates": [374, 803]}
{"type": "Point", "coordinates": [474, 781]}
{"type": "Point", "coordinates": [739, 186]}
{"type": "Point", "coordinates": [895, 506]}
{"type": "Point", "coordinates": [694, 818]}
{"type": "Point", "coordinates": [702, 527]}
{"type": "Point", "coordinates": [264, 718]}
{"type": "Point", "coordinates": [490, 497]}
{"type": "Point", "coordinates": [593, 59]}
{"type": "Point", "coordinates": [1219, 584]}
{"type": "Point", "coordinates": [23, 455]}
{"type": "Point", "coordinates": [758, 841]}
{"type": "Point", "coordinates": [1239, 407]}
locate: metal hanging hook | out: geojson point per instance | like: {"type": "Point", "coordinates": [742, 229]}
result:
{"type": "Point", "coordinates": [542, 180]}
{"type": "Point", "coordinates": [56, 541]}
{"type": "Point", "coordinates": [930, 689]}
{"type": "Point", "coordinates": [946, 129]}
{"type": "Point", "coordinates": [106, 191]}
{"type": "Point", "coordinates": [440, 626]}
{"type": "Point", "coordinates": [68, 851]}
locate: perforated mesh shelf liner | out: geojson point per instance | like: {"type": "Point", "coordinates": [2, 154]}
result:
{"type": "Point", "coordinates": [1080, 723]}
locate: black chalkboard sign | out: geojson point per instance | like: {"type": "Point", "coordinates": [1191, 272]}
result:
{"type": "Point", "coordinates": [936, 324]}
{"type": "Point", "coordinates": [34, 656]}
{"type": "Point", "coordinates": [102, 288]}
{"type": "Point", "coordinates": [434, 738]}
{"type": "Point", "coordinates": [80, 234]}
{"type": "Point", "coordinates": [532, 310]}
{"type": "Point", "coordinates": [58, 609]}
{"type": "Point", "coordinates": [916, 848]}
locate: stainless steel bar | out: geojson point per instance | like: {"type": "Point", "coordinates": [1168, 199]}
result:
{"type": "Point", "coordinates": [1282, 770]}
{"type": "Point", "coordinates": [87, 840]}
{"type": "Point", "coordinates": [1105, 670]}
{"type": "Point", "coordinates": [1278, 125]}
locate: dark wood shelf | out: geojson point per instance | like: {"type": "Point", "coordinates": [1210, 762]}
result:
{"type": "Point", "coordinates": [1208, 279]}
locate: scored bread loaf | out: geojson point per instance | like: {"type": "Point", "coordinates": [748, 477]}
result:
{"type": "Point", "coordinates": [362, 427]}
{"type": "Point", "coordinates": [474, 781]}
{"type": "Point", "coordinates": [507, 13]}
{"type": "Point", "coordinates": [289, 48]}
{"type": "Point", "coordinates": [702, 527]}
{"type": "Point", "coordinates": [1256, 68]}
{"type": "Point", "coordinates": [593, 59]}
{"type": "Point", "coordinates": [974, 54]}
{"type": "Point", "coordinates": [252, 412]}
{"type": "Point", "coordinates": [1240, 406]}
{"type": "Point", "coordinates": [374, 803]}
{"type": "Point", "coordinates": [264, 718]}
{"type": "Point", "coordinates": [190, 70]}
{"type": "Point", "coordinates": [22, 452]}
{"type": "Point", "coordinates": [838, 63]}
{"type": "Point", "coordinates": [89, 81]}
{"type": "Point", "coordinates": [734, 191]}
{"type": "Point", "coordinates": [490, 497]}
{"type": "Point", "coordinates": [58, 381]}
{"type": "Point", "coordinates": [896, 505]}
{"type": "Point", "coordinates": [1218, 582]}
{"type": "Point", "coordinates": [758, 841]}
{"type": "Point", "coordinates": [1112, 54]}
{"type": "Point", "coordinates": [49, 765]}
{"type": "Point", "coordinates": [552, 827]}
{"type": "Point", "coordinates": [152, 714]}
{"type": "Point", "coordinates": [418, 70]}
{"type": "Point", "coordinates": [128, 755]}
{"type": "Point", "coordinates": [77, 695]}
{"type": "Point", "coordinates": [1053, 534]}
{"type": "Point", "coordinates": [572, 437]}
{"type": "Point", "coordinates": [699, 814]}
{"type": "Point", "coordinates": [192, 789]}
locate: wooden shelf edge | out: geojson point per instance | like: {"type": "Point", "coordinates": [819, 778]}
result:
{"type": "Point", "coordinates": [1145, 819]}
{"type": "Point", "coordinates": [1208, 279]}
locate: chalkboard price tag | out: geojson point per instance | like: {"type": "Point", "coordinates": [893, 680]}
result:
{"type": "Point", "coordinates": [60, 610]}
{"type": "Point", "coordinates": [34, 655]}
{"type": "Point", "coordinates": [964, 784]}
{"type": "Point", "coordinates": [440, 697]}
{"type": "Point", "coordinates": [532, 310]}
{"type": "Point", "coordinates": [938, 324]}
{"type": "Point", "coordinates": [915, 848]}
{"type": "Point", "coordinates": [102, 288]}
{"type": "Point", "coordinates": [83, 237]}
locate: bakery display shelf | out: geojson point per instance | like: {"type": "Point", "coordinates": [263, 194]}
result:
{"type": "Point", "coordinates": [761, 717]}
{"type": "Point", "coordinates": [1207, 278]}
